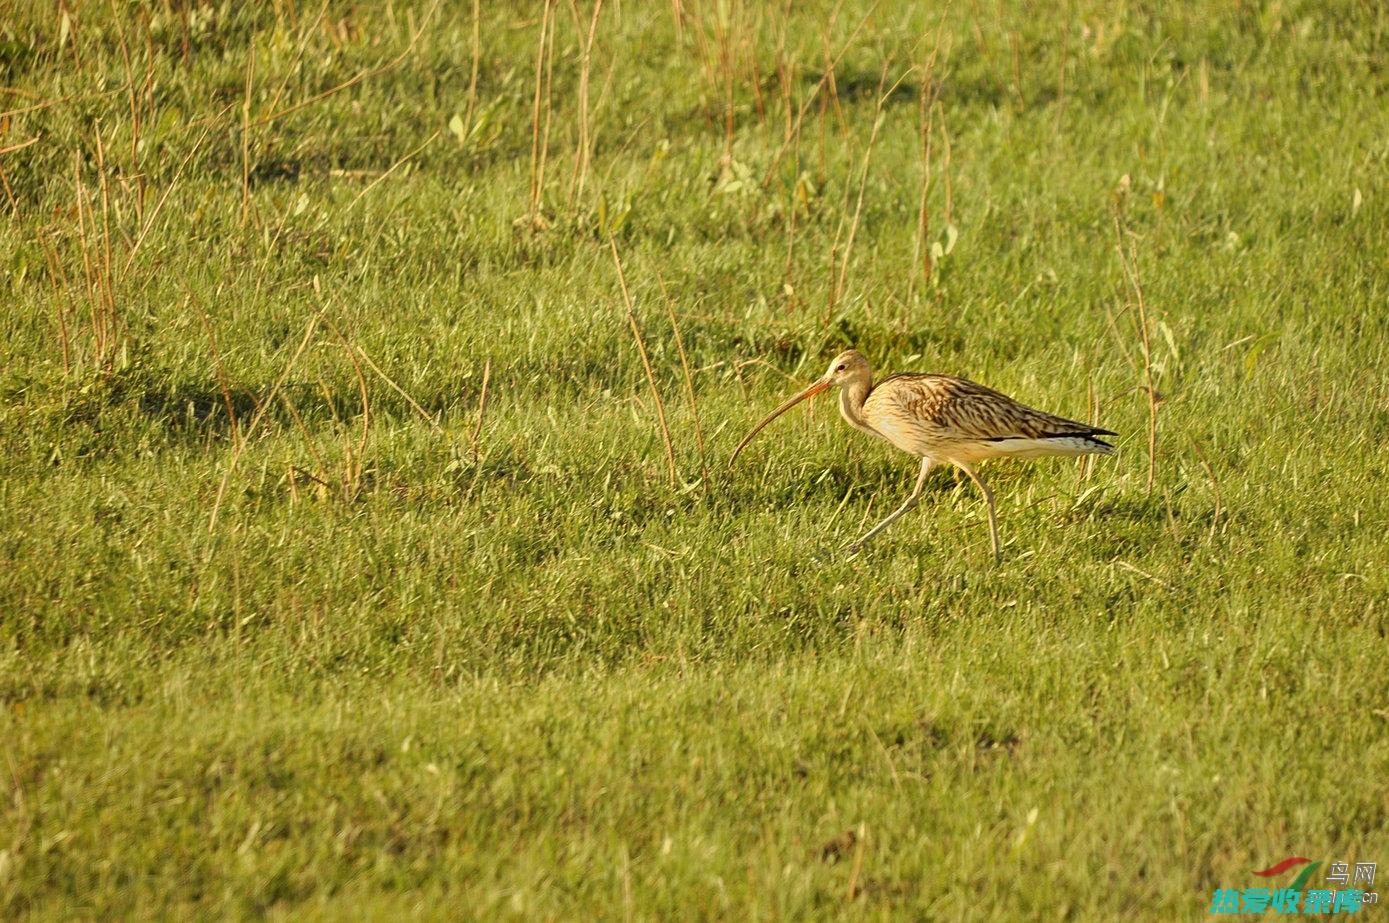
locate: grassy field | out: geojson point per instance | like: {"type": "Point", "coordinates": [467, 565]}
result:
{"type": "Point", "coordinates": [343, 570]}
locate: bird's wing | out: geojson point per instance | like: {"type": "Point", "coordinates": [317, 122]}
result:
{"type": "Point", "coordinates": [957, 408]}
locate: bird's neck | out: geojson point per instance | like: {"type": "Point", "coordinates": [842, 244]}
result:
{"type": "Point", "coordinates": [851, 398]}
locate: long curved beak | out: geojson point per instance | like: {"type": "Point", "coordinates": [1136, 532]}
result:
{"type": "Point", "coordinates": [817, 388]}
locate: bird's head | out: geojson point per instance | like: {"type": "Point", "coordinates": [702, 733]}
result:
{"type": "Point", "coordinates": [847, 368]}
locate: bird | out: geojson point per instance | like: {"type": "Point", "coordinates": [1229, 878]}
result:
{"type": "Point", "coordinates": [942, 419]}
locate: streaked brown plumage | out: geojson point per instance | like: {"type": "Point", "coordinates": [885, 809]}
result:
{"type": "Point", "coordinates": [941, 418]}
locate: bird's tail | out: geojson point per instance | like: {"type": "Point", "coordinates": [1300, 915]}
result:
{"type": "Point", "coordinates": [1057, 444]}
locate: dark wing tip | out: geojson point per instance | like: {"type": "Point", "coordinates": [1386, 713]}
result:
{"type": "Point", "coordinates": [1091, 434]}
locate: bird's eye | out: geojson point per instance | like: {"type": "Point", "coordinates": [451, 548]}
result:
{"type": "Point", "coordinates": [840, 369]}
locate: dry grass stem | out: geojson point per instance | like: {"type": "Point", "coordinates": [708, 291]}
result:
{"type": "Point", "coordinates": [18, 147]}
{"type": "Point", "coordinates": [689, 379]}
{"type": "Point", "coordinates": [148, 222]}
{"type": "Point", "coordinates": [259, 415]}
{"type": "Point", "coordinates": [540, 113]}
{"type": "Point", "coordinates": [1215, 485]}
{"type": "Point", "coordinates": [1128, 261]}
{"type": "Point", "coordinates": [59, 283]}
{"type": "Point", "coordinates": [476, 435]}
{"type": "Point", "coordinates": [353, 81]}
{"type": "Point", "coordinates": [837, 290]}
{"type": "Point", "coordinates": [476, 64]}
{"type": "Point", "coordinates": [424, 414]}
{"type": "Point", "coordinates": [395, 166]}
{"type": "Point", "coordinates": [645, 363]}
{"type": "Point", "coordinates": [223, 384]}
{"type": "Point", "coordinates": [246, 134]}
{"type": "Point", "coordinates": [308, 441]}
{"type": "Point", "coordinates": [583, 151]}
{"type": "Point", "coordinates": [926, 107]}
{"type": "Point", "coordinates": [816, 90]}
{"type": "Point", "coordinates": [352, 480]}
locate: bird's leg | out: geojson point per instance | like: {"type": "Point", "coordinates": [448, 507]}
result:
{"type": "Point", "coordinates": [897, 513]}
{"type": "Point", "coordinates": [989, 498]}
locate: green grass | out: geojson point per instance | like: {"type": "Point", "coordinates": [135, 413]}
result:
{"type": "Point", "coordinates": [388, 676]}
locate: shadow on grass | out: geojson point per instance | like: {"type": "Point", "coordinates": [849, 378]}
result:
{"type": "Point", "coordinates": [203, 407]}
